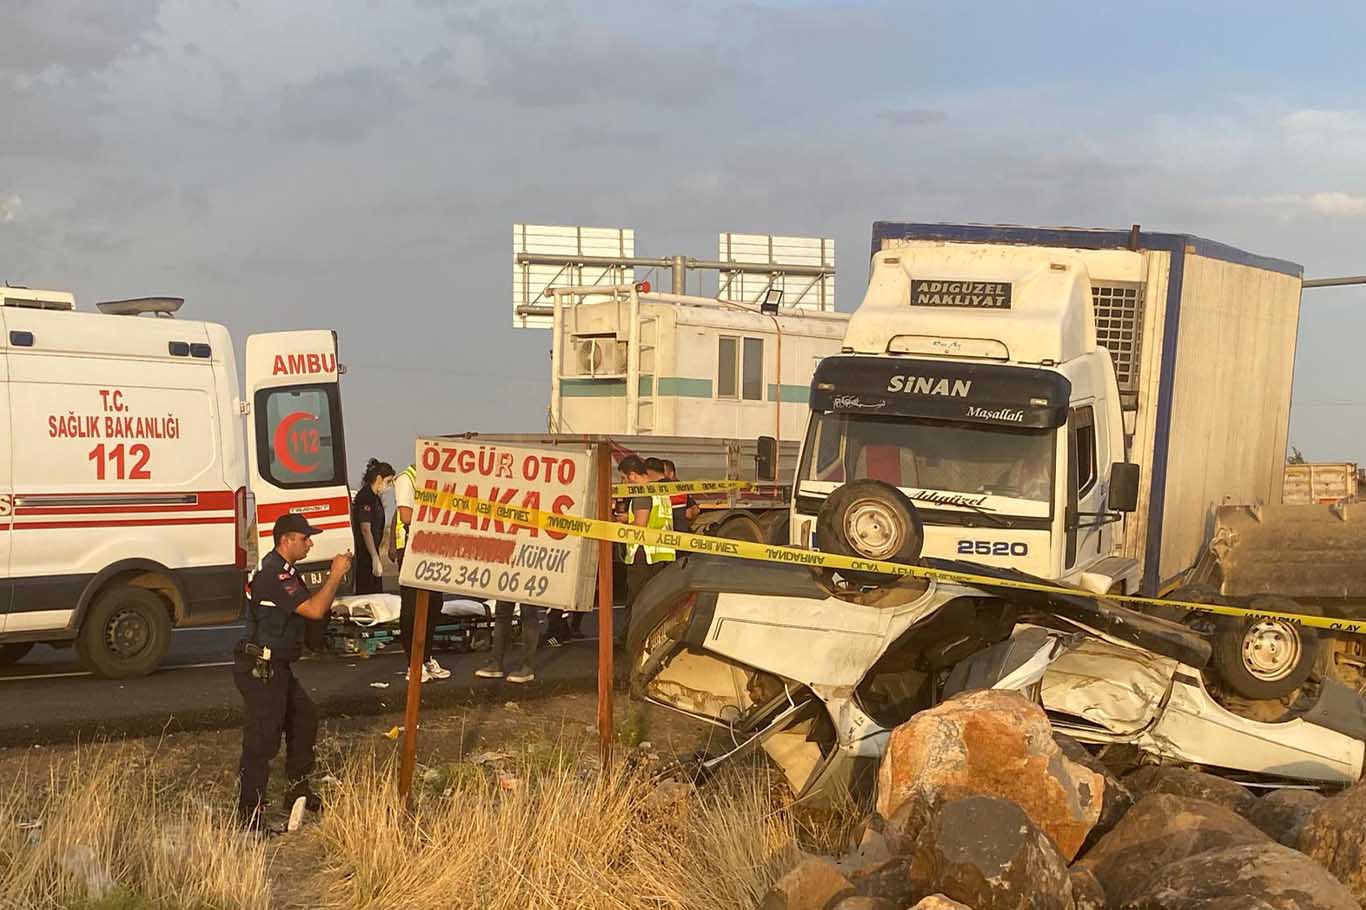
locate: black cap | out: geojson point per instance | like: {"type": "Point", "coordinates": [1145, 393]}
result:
{"type": "Point", "coordinates": [294, 523]}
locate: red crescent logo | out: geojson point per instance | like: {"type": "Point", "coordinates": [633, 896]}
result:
{"type": "Point", "coordinates": [281, 440]}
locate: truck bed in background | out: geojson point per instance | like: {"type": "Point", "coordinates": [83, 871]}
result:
{"type": "Point", "coordinates": [1319, 483]}
{"type": "Point", "coordinates": [696, 458]}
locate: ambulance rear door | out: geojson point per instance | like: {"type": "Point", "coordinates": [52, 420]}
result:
{"type": "Point", "coordinates": [296, 451]}
{"type": "Point", "coordinates": [6, 489]}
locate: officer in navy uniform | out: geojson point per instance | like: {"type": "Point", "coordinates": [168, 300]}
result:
{"type": "Point", "coordinates": [279, 609]}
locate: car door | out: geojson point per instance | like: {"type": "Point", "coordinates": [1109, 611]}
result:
{"type": "Point", "coordinates": [296, 446]}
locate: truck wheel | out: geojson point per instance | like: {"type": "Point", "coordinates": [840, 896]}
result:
{"type": "Point", "coordinates": [126, 633]}
{"type": "Point", "coordinates": [868, 519]}
{"type": "Point", "coordinates": [1265, 658]}
{"type": "Point", "coordinates": [10, 654]}
{"type": "Point", "coordinates": [777, 531]}
{"type": "Point", "coordinates": [741, 527]}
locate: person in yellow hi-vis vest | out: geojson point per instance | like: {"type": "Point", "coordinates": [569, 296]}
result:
{"type": "Point", "coordinates": [643, 561]}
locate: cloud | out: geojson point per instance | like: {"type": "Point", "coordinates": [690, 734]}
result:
{"type": "Point", "coordinates": [582, 67]}
{"type": "Point", "coordinates": [10, 204]}
{"type": "Point", "coordinates": [914, 116]}
{"type": "Point", "coordinates": [341, 107]}
{"type": "Point", "coordinates": [1333, 205]}
{"type": "Point", "coordinates": [73, 35]}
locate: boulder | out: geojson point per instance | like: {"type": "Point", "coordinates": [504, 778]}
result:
{"type": "Point", "coordinates": [1117, 800]}
{"type": "Point", "coordinates": [1087, 894]}
{"type": "Point", "coordinates": [1266, 876]}
{"type": "Point", "coordinates": [1335, 836]}
{"type": "Point", "coordinates": [986, 852]}
{"type": "Point", "coordinates": [1159, 830]}
{"type": "Point", "coordinates": [813, 884]}
{"type": "Point", "coordinates": [860, 902]}
{"type": "Point", "coordinates": [1282, 813]}
{"type": "Point", "coordinates": [939, 902]}
{"type": "Point", "coordinates": [1195, 784]}
{"type": "Point", "coordinates": [871, 851]}
{"type": "Point", "coordinates": [889, 881]}
{"type": "Point", "coordinates": [987, 743]}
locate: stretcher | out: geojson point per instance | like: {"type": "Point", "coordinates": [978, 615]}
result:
{"type": "Point", "coordinates": [363, 624]}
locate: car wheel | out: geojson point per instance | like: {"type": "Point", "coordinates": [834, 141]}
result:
{"type": "Point", "coordinates": [126, 633]}
{"type": "Point", "coordinates": [14, 653]}
{"type": "Point", "coordinates": [868, 519]}
{"type": "Point", "coordinates": [1265, 658]}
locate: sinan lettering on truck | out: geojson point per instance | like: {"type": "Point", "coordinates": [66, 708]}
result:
{"type": "Point", "coordinates": [123, 481]}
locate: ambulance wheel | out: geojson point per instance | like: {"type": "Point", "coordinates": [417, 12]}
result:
{"type": "Point", "coordinates": [1265, 658]}
{"type": "Point", "coordinates": [10, 654]}
{"type": "Point", "coordinates": [868, 519]}
{"type": "Point", "coordinates": [126, 633]}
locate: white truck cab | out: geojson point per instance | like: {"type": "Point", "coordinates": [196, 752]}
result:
{"type": "Point", "coordinates": [971, 379]}
{"type": "Point", "coordinates": [125, 467]}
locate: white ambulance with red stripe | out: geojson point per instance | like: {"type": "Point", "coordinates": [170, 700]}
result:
{"type": "Point", "coordinates": [127, 450]}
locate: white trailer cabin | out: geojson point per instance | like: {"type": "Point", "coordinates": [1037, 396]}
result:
{"type": "Point", "coordinates": [625, 363]}
{"type": "Point", "coordinates": [1202, 337]}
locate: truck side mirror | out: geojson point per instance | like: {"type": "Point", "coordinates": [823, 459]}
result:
{"type": "Point", "coordinates": [766, 460]}
{"type": "Point", "coordinates": [1123, 496]}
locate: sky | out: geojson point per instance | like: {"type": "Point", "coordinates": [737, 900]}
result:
{"type": "Point", "coordinates": [358, 165]}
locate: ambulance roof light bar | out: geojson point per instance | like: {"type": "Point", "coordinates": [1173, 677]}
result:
{"type": "Point", "coordinates": [137, 306]}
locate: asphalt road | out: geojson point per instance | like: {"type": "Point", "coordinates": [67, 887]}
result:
{"type": "Point", "coordinates": [49, 698]}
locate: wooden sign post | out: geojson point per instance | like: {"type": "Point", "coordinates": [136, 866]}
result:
{"type": "Point", "coordinates": [415, 661]}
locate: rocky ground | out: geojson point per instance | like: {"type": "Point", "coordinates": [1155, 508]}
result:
{"type": "Point", "coordinates": [981, 806]}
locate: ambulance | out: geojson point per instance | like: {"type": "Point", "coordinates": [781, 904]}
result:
{"type": "Point", "coordinates": [134, 469]}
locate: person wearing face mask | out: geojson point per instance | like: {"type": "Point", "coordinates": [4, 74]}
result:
{"type": "Point", "coordinates": [367, 526]}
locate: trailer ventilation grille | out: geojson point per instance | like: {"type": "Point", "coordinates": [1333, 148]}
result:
{"type": "Point", "coordinates": [1119, 328]}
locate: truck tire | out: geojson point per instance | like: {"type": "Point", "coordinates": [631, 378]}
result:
{"type": "Point", "coordinates": [741, 527]}
{"type": "Point", "coordinates": [10, 654]}
{"type": "Point", "coordinates": [126, 633]}
{"type": "Point", "coordinates": [869, 519]}
{"type": "Point", "coordinates": [1265, 658]}
{"type": "Point", "coordinates": [776, 531]}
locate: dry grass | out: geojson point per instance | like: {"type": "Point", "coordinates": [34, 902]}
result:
{"type": "Point", "coordinates": [101, 831]}
{"type": "Point", "coordinates": [560, 840]}
{"type": "Point", "coordinates": [127, 828]}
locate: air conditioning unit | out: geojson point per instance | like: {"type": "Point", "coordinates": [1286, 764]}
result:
{"type": "Point", "coordinates": [599, 357]}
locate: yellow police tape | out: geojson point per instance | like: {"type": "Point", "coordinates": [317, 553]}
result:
{"type": "Point", "coordinates": [597, 529]}
{"type": "Point", "coordinates": [681, 486]}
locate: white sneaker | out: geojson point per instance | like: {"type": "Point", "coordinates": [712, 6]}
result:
{"type": "Point", "coordinates": [435, 670]}
{"type": "Point", "coordinates": [426, 675]}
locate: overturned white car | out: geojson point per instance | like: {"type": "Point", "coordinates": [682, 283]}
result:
{"type": "Point", "coordinates": [818, 670]}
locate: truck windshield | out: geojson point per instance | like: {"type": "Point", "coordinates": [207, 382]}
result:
{"type": "Point", "coordinates": [934, 456]}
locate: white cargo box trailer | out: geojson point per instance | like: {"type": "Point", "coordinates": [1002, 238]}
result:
{"type": "Point", "coordinates": [626, 363]}
{"type": "Point", "coordinates": [1202, 336]}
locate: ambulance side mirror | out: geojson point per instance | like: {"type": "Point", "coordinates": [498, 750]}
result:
{"type": "Point", "coordinates": [766, 459]}
{"type": "Point", "coordinates": [1123, 496]}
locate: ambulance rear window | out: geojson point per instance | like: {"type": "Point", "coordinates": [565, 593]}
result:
{"type": "Point", "coordinates": [299, 436]}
